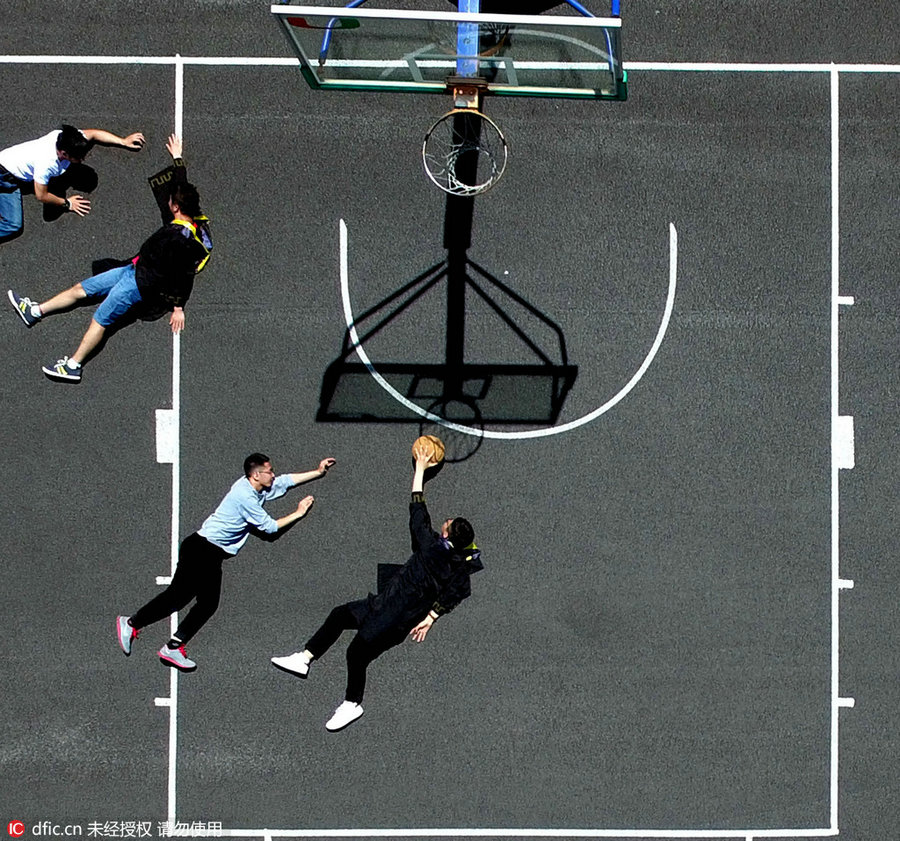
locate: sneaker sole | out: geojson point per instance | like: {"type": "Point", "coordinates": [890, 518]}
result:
{"type": "Point", "coordinates": [173, 665]}
{"type": "Point", "coordinates": [12, 300]}
{"type": "Point", "coordinates": [288, 671]}
{"type": "Point", "coordinates": [53, 374]}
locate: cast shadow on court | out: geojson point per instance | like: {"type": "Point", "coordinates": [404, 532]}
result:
{"type": "Point", "coordinates": [531, 392]}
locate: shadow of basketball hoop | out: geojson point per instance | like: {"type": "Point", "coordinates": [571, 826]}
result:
{"type": "Point", "coordinates": [470, 395]}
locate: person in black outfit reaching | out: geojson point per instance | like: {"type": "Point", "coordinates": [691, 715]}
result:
{"type": "Point", "coordinates": [411, 597]}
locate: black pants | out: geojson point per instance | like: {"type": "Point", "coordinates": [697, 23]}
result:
{"type": "Point", "coordinates": [359, 653]}
{"type": "Point", "coordinates": [197, 576]}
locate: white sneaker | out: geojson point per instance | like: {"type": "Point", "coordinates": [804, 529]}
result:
{"type": "Point", "coordinates": [296, 664]}
{"type": "Point", "coordinates": [345, 714]}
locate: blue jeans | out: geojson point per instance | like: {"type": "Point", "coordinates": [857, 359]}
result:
{"type": "Point", "coordinates": [119, 291]}
{"type": "Point", "coordinates": [11, 223]}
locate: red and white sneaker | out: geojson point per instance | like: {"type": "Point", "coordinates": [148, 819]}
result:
{"type": "Point", "coordinates": [176, 658]}
{"type": "Point", "coordinates": [127, 634]}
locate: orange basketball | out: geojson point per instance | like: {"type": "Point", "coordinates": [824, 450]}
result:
{"type": "Point", "coordinates": [435, 448]}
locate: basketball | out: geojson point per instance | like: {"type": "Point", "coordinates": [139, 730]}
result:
{"type": "Point", "coordinates": [434, 445]}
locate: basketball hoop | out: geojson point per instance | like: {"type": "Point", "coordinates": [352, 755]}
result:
{"type": "Point", "coordinates": [465, 152]}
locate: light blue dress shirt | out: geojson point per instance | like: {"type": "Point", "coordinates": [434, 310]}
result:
{"type": "Point", "coordinates": [242, 509]}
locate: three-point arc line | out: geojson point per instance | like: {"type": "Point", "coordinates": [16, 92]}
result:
{"type": "Point", "coordinates": [490, 433]}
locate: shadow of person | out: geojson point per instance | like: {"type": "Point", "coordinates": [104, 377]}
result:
{"type": "Point", "coordinates": [78, 177]}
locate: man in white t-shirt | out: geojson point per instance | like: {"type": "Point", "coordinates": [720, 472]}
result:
{"type": "Point", "coordinates": [45, 165]}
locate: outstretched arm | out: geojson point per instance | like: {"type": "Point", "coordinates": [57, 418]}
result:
{"type": "Point", "coordinates": [423, 459]}
{"type": "Point", "coordinates": [76, 204]}
{"type": "Point", "coordinates": [175, 146]}
{"type": "Point", "coordinates": [134, 141]}
{"type": "Point", "coordinates": [324, 466]}
{"type": "Point", "coordinates": [289, 519]}
{"type": "Point", "coordinates": [420, 530]}
{"type": "Point", "coordinates": [174, 173]}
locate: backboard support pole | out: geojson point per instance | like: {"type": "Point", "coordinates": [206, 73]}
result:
{"type": "Point", "coordinates": [467, 40]}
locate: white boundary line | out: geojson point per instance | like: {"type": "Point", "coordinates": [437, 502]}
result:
{"type": "Point", "coordinates": [280, 61]}
{"type": "Point", "coordinates": [835, 492]}
{"type": "Point", "coordinates": [841, 449]}
{"type": "Point", "coordinates": [172, 790]}
{"type": "Point", "coordinates": [750, 67]}
{"type": "Point", "coordinates": [490, 433]}
{"type": "Point", "coordinates": [837, 583]}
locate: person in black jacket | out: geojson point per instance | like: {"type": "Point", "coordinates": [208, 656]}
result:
{"type": "Point", "coordinates": [158, 280]}
{"type": "Point", "coordinates": [411, 597]}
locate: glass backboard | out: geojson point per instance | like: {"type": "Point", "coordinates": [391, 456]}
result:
{"type": "Point", "coordinates": [418, 51]}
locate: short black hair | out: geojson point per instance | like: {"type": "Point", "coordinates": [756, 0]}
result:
{"type": "Point", "coordinates": [71, 141]}
{"type": "Point", "coordinates": [253, 461]}
{"type": "Point", "coordinates": [460, 533]}
{"type": "Point", "coordinates": [187, 198]}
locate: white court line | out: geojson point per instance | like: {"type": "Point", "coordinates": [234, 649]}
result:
{"type": "Point", "coordinates": [280, 61]}
{"type": "Point", "coordinates": [835, 454]}
{"type": "Point", "coordinates": [490, 433]}
{"type": "Point", "coordinates": [178, 121]}
{"type": "Point", "coordinates": [760, 67]}
{"type": "Point", "coordinates": [164, 60]}
{"type": "Point", "coordinates": [179, 101]}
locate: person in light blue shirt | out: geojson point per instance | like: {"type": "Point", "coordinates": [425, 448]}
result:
{"type": "Point", "coordinates": [242, 509]}
{"type": "Point", "coordinates": [199, 571]}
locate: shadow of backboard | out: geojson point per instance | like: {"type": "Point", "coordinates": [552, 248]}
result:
{"type": "Point", "coordinates": [507, 394]}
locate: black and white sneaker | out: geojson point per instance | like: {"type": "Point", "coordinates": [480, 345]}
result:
{"type": "Point", "coordinates": [27, 309]}
{"type": "Point", "coordinates": [64, 369]}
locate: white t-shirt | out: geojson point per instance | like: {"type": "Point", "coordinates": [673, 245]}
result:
{"type": "Point", "coordinates": [34, 160]}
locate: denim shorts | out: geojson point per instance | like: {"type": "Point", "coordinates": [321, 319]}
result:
{"type": "Point", "coordinates": [10, 206]}
{"type": "Point", "coordinates": [119, 291]}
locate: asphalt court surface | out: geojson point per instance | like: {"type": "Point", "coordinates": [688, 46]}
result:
{"type": "Point", "coordinates": [649, 646]}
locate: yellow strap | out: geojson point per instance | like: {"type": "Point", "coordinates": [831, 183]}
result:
{"type": "Point", "coordinates": [193, 229]}
{"type": "Point", "coordinates": [190, 226]}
